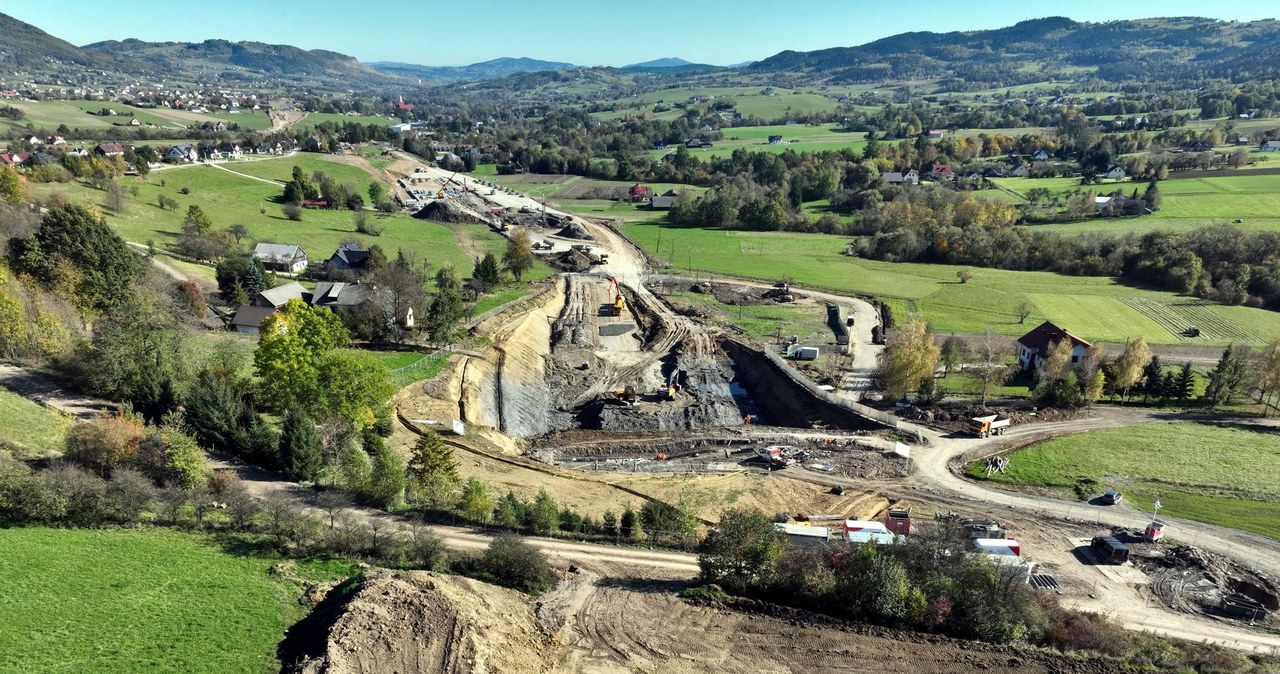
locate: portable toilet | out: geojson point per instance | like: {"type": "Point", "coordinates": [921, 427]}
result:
{"type": "Point", "coordinates": [1154, 531]}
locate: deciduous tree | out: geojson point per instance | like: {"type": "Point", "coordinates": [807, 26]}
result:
{"type": "Point", "coordinates": [742, 551]}
{"type": "Point", "coordinates": [519, 256]}
{"type": "Point", "coordinates": [909, 356]}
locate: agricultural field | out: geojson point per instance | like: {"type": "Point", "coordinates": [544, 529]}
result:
{"type": "Point", "coordinates": [30, 428]}
{"type": "Point", "coordinates": [142, 600]}
{"type": "Point", "coordinates": [1186, 204]}
{"type": "Point", "coordinates": [748, 101]}
{"type": "Point", "coordinates": [796, 137]}
{"type": "Point", "coordinates": [1096, 308]}
{"type": "Point", "coordinates": [230, 199]}
{"type": "Point", "coordinates": [312, 119]}
{"type": "Point", "coordinates": [1221, 474]}
{"type": "Point", "coordinates": [76, 115]}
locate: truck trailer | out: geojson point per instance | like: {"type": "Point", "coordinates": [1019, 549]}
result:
{"type": "Point", "coordinates": [989, 425]}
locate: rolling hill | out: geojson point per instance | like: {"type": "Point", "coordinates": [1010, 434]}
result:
{"type": "Point", "coordinates": [1181, 48]}
{"type": "Point", "coordinates": [486, 70]}
{"type": "Point", "coordinates": [24, 45]}
{"type": "Point", "coordinates": [268, 59]}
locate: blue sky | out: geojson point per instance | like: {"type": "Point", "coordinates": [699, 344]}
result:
{"type": "Point", "coordinates": [585, 32]}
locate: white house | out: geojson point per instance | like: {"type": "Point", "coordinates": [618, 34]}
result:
{"type": "Point", "coordinates": [1033, 347]}
{"type": "Point", "coordinates": [281, 257]}
{"type": "Point", "coordinates": [1114, 173]}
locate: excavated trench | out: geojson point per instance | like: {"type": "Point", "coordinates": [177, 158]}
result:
{"type": "Point", "coordinates": [567, 364]}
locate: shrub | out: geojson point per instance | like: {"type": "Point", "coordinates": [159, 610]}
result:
{"type": "Point", "coordinates": [104, 444]}
{"type": "Point", "coordinates": [293, 212]}
{"type": "Point", "coordinates": [514, 563]}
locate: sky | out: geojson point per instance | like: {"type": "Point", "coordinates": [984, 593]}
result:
{"type": "Point", "coordinates": [583, 32]}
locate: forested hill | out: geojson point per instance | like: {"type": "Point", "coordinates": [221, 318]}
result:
{"type": "Point", "coordinates": [488, 70]}
{"type": "Point", "coordinates": [24, 45]}
{"type": "Point", "coordinates": [1162, 49]}
{"type": "Point", "coordinates": [270, 59]}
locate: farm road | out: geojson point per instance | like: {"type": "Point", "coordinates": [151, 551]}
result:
{"type": "Point", "coordinates": [41, 390]}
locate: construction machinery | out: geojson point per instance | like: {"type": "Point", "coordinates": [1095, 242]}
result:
{"type": "Point", "coordinates": [777, 456]}
{"type": "Point", "coordinates": [617, 304]}
{"type": "Point", "coordinates": [627, 395]}
{"type": "Point", "coordinates": [989, 425]}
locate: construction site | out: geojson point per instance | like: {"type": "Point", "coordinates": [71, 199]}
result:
{"type": "Point", "coordinates": [606, 394]}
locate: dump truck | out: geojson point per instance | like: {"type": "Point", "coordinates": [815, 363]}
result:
{"type": "Point", "coordinates": [989, 425]}
{"type": "Point", "coordinates": [627, 395]}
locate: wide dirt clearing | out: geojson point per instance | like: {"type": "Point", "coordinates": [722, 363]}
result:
{"type": "Point", "coordinates": [133, 601]}
{"type": "Point", "coordinates": [1226, 474]}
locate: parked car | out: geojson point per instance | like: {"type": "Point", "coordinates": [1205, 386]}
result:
{"type": "Point", "coordinates": [1112, 497]}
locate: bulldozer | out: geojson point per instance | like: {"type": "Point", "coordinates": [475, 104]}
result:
{"type": "Point", "coordinates": [627, 395]}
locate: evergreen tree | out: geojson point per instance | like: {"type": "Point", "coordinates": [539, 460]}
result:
{"type": "Point", "coordinates": [1168, 385]}
{"type": "Point", "coordinates": [1227, 377]}
{"type": "Point", "coordinates": [446, 308]}
{"type": "Point", "coordinates": [1186, 384]}
{"type": "Point", "coordinates": [431, 459]}
{"type": "Point", "coordinates": [1151, 379]}
{"type": "Point", "coordinates": [1152, 196]}
{"type": "Point", "coordinates": [300, 447]}
{"type": "Point", "coordinates": [629, 525]}
{"type": "Point", "coordinates": [387, 476]}
{"type": "Point", "coordinates": [487, 273]}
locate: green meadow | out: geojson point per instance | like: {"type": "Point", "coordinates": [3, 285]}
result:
{"type": "Point", "coordinates": [1216, 473]}
{"type": "Point", "coordinates": [1096, 308]}
{"type": "Point", "coordinates": [29, 427]}
{"type": "Point", "coordinates": [143, 600]}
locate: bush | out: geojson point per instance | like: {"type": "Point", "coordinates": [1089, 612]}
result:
{"type": "Point", "coordinates": [513, 563]}
{"type": "Point", "coordinates": [293, 212]}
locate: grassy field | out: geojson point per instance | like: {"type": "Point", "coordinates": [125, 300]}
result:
{"type": "Point", "coordinates": [235, 199]}
{"type": "Point", "coordinates": [32, 428]}
{"type": "Point", "coordinates": [796, 137]}
{"type": "Point", "coordinates": [1186, 204]}
{"type": "Point", "coordinates": [315, 118]}
{"type": "Point", "coordinates": [1219, 474]}
{"type": "Point", "coordinates": [1096, 308]}
{"type": "Point", "coordinates": [765, 320]}
{"type": "Point", "coordinates": [75, 114]}
{"type": "Point", "coordinates": [141, 600]}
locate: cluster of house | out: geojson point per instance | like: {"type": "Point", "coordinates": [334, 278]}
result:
{"type": "Point", "coordinates": [1016, 167]}
{"type": "Point", "coordinates": [641, 194]}
{"type": "Point", "coordinates": [349, 260]}
{"type": "Point", "coordinates": [176, 153]}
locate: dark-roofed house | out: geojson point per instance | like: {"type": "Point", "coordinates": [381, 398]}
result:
{"type": "Point", "coordinates": [249, 319]}
{"type": "Point", "coordinates": [1270, 146]}
{"type": "Point", "coordinates": [662, 203]}
{"type": "Point", "coordinates": [1198, 145]}
{"type": "Point", "coordinates": [109, 149]}
{"type": "Point", "coordinates": [338, 296]}
{"type": "Point", "coordinates": [285, 257]}
{"type": "Point", "coordinates": [278, 296]}
{"type": "Point", "coordinates": [1033, 347]}
{"type": "Point", "coordinates": [350, 258]}
{"type": "Point", "coordinates": [892, 178]}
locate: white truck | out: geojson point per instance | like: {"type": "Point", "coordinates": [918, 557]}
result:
{"type": "Point", "coordinates": [988, 425]}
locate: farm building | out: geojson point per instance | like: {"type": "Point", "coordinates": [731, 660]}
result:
{"type": "Point", "coordinates": [1270, 146]}
{"type": "Point", "coordinates": [638, 192]}
{"type": "Point", "coordinates": [281, 257]}
{"type": "Point", "coordinates": [1033, 347]}
{"type": "Point", "coordinates": [804, 536]}
{"type": "Point", "coordinates": [278, 296]}
{"type": "Point", "coordinates": [248, 320]}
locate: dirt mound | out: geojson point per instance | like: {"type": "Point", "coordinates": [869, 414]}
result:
{"type": "Point", "coordinates": [575, 230]}
{"type": "Point", "coordinates": [448, 212]}
{"type": "Point", "coordinates": [417, 622]}
{"type": "Point", "coordinates": [569, 260]}
{"type": "Point", "coordinates": [1193, 580]}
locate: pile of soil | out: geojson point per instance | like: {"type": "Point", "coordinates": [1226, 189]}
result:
{"type": "Point", "coordinates": [446, 211]}
{"type": "Point", "coordinates": [569, 260]}
{"type": "Point", "coordinates": [575, 230]}
{"type": "Point", "coordinates": [735, 295]}
{"type": "Point", "coordinates": [956, 419]}
{"type": "Point", "coordinates": [417, 622]}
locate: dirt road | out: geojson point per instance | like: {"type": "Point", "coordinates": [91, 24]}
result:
{"type": "Point", "coordinates": [44, 391]}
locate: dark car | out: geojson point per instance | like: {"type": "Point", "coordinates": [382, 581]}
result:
{"type": "Point", "coordinates": [1112, 497]}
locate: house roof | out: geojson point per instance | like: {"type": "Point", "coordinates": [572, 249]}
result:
{"type": "Point", "coordinates": [1046, 334]}
{"type": "Point", "coordinates": [251, 317]}
{"type": "Point", "coordinates": [277, 296]}
{"type": "Point", "coordinates": [352, 255]}
{"type": "Point", "coordinates": [272, 252]}
{"type": "Point", "coordinates": [892, 177]}
{"type": "Point", "coordinates": [1271, 144]}
{"type": "Point", "coordinates": [330, 294]}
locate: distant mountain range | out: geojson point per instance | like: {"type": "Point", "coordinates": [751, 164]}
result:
{"type": "Point", "coordinates": [488, 70]}
{"type": "Point", "coordinates": [1153, 50]}
{"type": "Point", "coordinates": [1157, 50]}
{"type": "Point", "coordinates": [26, 46]}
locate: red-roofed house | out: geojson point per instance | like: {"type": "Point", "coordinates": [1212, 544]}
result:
{"type": "Point", "coordinates": [401, 105]}
{"type": "Point", "coordinates": [942, 172]}
{"type": "Point", "coordinates": [638, 192]}
{"type": "Point", "coordinates": [1033, 347]}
